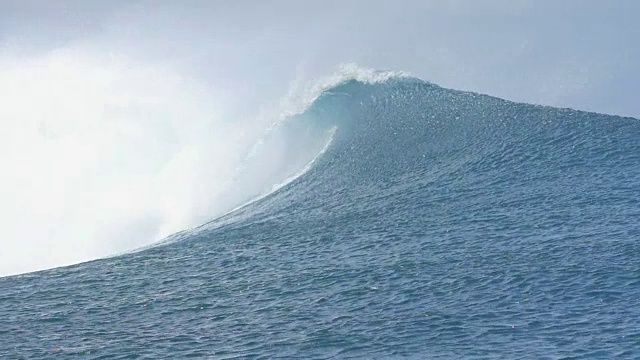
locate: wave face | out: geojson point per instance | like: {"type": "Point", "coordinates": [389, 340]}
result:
{"type": "Point", "coordinates": [436, 223]}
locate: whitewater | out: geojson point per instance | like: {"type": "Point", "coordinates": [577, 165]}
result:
{"type": "Point", "coordinates": [371, 214]}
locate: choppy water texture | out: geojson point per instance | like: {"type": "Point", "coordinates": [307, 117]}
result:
{"type": "Point", "coordinates": [437, 224]}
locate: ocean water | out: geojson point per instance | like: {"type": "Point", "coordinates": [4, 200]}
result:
{"type": "Point", "coordinates": [431, 223]}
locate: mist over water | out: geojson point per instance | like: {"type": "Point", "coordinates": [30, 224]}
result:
{"type": "Point", "coordinates": [105, 154]}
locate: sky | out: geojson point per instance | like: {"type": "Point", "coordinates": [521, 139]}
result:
{"type": "Point", "coordinates": [573, 53]}
{"type": "Point", "coordinates": [122, 122]}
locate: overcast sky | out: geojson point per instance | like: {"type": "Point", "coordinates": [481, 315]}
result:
{"type": "Point", "coordinates": [576, 53]}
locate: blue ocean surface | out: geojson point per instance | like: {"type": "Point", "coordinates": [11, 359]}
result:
{"type": "Point", "coordinates": [433, 223]}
